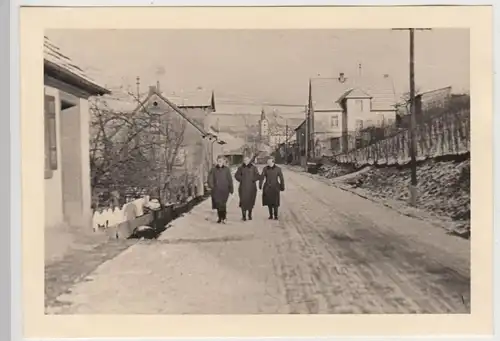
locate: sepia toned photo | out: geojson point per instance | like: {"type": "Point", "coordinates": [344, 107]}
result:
{"type": "Point", "coordinates": [257, 171]}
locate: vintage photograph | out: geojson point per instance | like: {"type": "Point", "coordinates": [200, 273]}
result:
{"type": "Point", "coordinates": [257, 171]}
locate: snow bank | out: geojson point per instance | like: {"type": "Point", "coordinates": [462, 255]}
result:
{"type": "Point", "coordinates": [443, 186]}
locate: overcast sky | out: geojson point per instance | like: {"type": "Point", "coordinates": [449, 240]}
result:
{"type": "Point", "coordinates": [264, 65]}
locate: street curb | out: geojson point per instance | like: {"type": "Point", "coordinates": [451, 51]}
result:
{"type": "Point", "coordinates": [448, 225]}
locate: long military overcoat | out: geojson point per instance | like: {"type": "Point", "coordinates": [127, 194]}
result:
{"type": "Point", "coordinates": [247, 176]}
{"type": "Point", "coordinates": [274, 183]}
{"type": "Point", "coordinates": [220, 182]}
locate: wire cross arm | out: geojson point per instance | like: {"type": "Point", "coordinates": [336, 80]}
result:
{"type": "Point", "coordinates": [410, 28]}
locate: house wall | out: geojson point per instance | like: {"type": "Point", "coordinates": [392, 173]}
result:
{"type": "Point", "coordinates": [53, 186]}
{"type": "Point", "coordinates": [368, 116]}
{"type": "Point", "coordinates": [196, 156]}
{"type": "Point", "coordinates": [218, 149]}
{"type": "Point", "coordinates": [325, 130]}
{"type": "Point", "coordinates": [301, 139]}
{"type": "Point", "coordinates": [85, 161]}
{"type": "Point", "coordinates": [275, 140]}
{"type": "Point", "coordinates": [195, 151]}
{"type": "Point", "coordinates": [387, 117]}
{"type": "Point", "coordinates": [355, 112]}
{"type": "Point", "coordinates": [68, 192]}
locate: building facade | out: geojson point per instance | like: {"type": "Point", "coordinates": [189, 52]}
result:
{"type": "Point", "coordinates": [340, 107]}
{"type": "Point", "coordinates": [184, 146]}
{"type": "Point", "coordinates": [66, 145]}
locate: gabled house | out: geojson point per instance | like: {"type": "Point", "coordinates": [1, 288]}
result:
{"type": "Point", "coordinates": [340, 107]}
{"type": "Point", "coordinates": [188, 143]}
{"type": "Point", "coordinates": [67, 168]}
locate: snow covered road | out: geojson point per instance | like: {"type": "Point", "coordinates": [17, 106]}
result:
{"type": "Point", "coordinates": [330, 252]}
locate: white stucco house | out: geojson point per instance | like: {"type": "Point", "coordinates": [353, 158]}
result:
{"type": "Point", "coordinates": [341, 106]}
{"type": "Point", "coordinates": [66, 144]}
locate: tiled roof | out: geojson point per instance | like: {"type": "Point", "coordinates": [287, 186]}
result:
{"type": "Point", "coordinates": [327, 91]}
{"type": "Point", "coordinates": [53, 57]}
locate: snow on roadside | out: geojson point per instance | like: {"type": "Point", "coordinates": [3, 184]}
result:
{"type": "Point", "coordinates": [443, 187]}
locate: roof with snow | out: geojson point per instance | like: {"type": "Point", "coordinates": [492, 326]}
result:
{"type": "Point", "coordinates": [354, 93]}
{"type": "Point", "coordinates": [59, 66]}
{"type": "Point", "coordinates": [122, 101]}
{"type": "Point", "coordinates": [177, 109]}
{"type": "Point", "coordinates": [300, 125]}
{"type": "Point", "coordinates": [326, 92]}
{"type": "Point", "coordinates": [200, 98]}
{"type": "Point", "coordinates": [241, 122]}
{"type": "Point", "coordinates": [233, 144]}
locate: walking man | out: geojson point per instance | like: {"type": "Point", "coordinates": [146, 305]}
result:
{"type": "Point", "coordinates": [220, 183]}
{"type": "Point", "coordinates": [274, 183]}
{"type": "Point", "coordinates": [247, 175]}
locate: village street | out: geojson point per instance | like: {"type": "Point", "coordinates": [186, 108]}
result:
{"type": "Point", "coordinates": [331, 252]}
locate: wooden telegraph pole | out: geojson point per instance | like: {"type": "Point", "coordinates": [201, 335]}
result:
{"type": "Point", "coordinates": [306, 138]}
{"type": "Point", "coordinates": [286, 140]}
{"type": "Point", "coordinates": [413, 121]}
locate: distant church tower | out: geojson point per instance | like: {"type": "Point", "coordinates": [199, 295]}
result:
{"type": "Point", "coordinates": [264, 127]}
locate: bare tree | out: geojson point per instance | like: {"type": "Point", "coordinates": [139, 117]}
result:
{"type": "Point", "coordinates": [135, 152]}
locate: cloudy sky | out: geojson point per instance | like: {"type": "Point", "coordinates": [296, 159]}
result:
{"type": "Point", "coordinates": [264, 65]}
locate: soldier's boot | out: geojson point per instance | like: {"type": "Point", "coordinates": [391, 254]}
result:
{"type": "Point", "coordinates": [219, 216]}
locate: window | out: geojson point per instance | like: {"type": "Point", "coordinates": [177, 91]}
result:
{"type": "Point", "coordinates": [334, 121]}
{"type": "Point", "coordinates": [50, 136]}
{"type": "Point", "coordinates": [359, 124]}
{"type": "Point", "coordinates": [369, 123]}
{"type": "Point", "coordinates": [359, 104]}
{"type": "Point", "coordinates": [335, 144]}
{"type": "Point", "coordinates": [390, 121]}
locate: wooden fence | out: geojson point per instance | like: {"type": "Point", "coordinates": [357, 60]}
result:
{"type": "Point", "coordinates": [442, 135]}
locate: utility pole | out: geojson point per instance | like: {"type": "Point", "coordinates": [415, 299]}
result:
{"type": "Point", "coordinates": [306, 138]}
{"type": "Point", "coordinates": [286, 139]}
{"type": "Point", "coordinates": [413, 121]}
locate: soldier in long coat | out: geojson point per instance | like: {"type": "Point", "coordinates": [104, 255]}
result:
{"type": "Point", "coordinates": [220, 183]}
{"type": "Point", "coordinates": [247, 175]}
{"type": "Point", "coordinates": [272, 183]}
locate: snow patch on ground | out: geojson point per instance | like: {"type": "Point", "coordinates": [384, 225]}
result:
{"type": "Point", "coordinates": [443, 189]}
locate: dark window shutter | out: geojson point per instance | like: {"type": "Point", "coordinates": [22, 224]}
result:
{"type": "Point", "coordinates": [47, 169]}
{"type": "Point", "coordinates": [51, 131]}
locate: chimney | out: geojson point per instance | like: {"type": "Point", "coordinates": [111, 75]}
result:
{"type": "Point", "coordinates": [152, 89]}
{"type": "Point", "coordinates": [341, 77]}
{"type": "Point", "coordinates": [158, 86]}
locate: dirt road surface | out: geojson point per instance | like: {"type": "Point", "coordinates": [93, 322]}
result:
{"type": "Point", "coordinates": [330, 252]}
